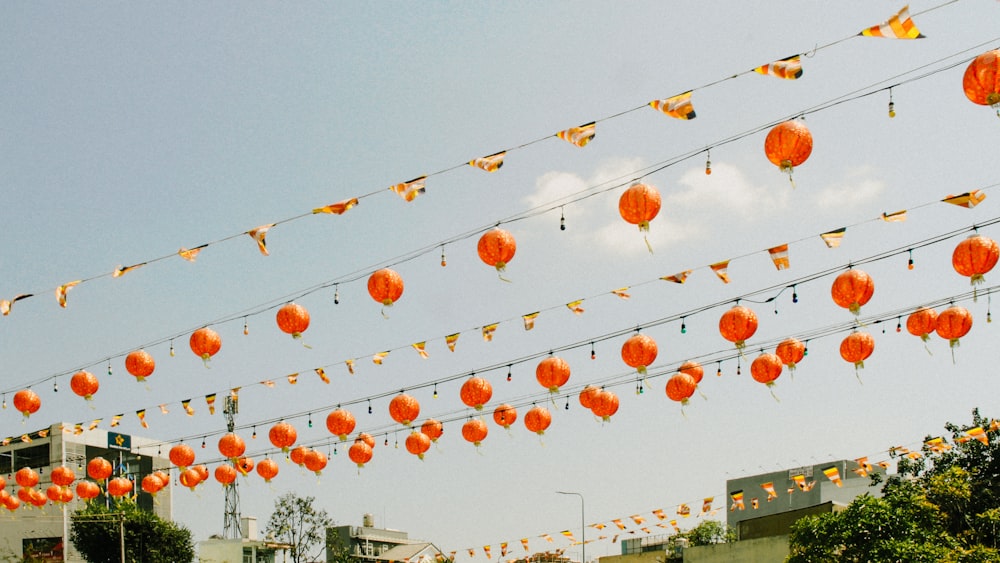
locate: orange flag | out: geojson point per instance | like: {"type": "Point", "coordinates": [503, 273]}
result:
{"type": "Point", "coordinates": [338, 208]}
{"type": "Point", "coordinates": [789, 68]}
{"type": "Point", "coordinates": [192, 254]}
{"type": "Point", "coordinates": [5, 305]}
{"type": "Point", "coordinates": [899, 26]}
{"type": "Point", "coordinates": [490, 163]}
{"type": "Point", "coordinates": [63, 289]}
{"type": "Point", "coordinates": [411, 189]}
{"type": "Point", "coordinates": [721, 269]}
{"type": "Point", "coordinates": [677, 278]}
{"type": "Point", "coordinates": [450, 340]}
{"type": "Point", "coordinates": [579, 136]}
{"type": "Point", "coordinates": [259, 235]}
{"type": "Point", "coordinates": [678, 106]}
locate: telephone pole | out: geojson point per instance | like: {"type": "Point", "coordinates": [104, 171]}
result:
{"type": "Point", "coordinates": [231, 522]}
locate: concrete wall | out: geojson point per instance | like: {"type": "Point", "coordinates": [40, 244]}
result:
{"type": "Point", "coordinates": [762, 550]}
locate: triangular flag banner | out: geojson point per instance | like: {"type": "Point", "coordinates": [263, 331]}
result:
{"type": "Point", "coordinates": [779, 255]}
{"type": "Point", "coordinates": [486, 550]}
{"type": "Point", "coordinates": [737, 497]}
{"type": "Point", "coordinates": [900, 26]}
{"type": "Point", "coordinates": [450, 340]}
{"type": "Point", "coordinates": [524, 544]}
{"type": "Point", "coordinates": [27, 439]}
{"type": "Point", "coordinates": [721, 269]}
{"type": "Point", "coordinates": [789, 68]}
{"type": "Point", "coordinates": [190, 254]}
{"type": "Point", "coordinates": [834, 475]}
{"type": "Point", "coordinates": [529, 320]}
{"type": "Point", "coordinates": [678, 106]}
{"type": "Point", "coordinates": [637, 519]}
{"type": "Point", "coordinates": [420, 348]}
{"type": "Point", "coordinates": [122, 270]}
{"type": "Point", "coordinates": [676, 527]}
{"type": "Point", "coordinates": [94, 423]}
{"type": "Point", "coordinates": [599, 526]}
{"type": "Point", "coordinates": [769, 489]}
{"type": "Point", "coordinates": [833, 238]}
{"type": "Point", "coordinates": [569, 535]}
{"type": "Point", "coordinates": [377, 358]}
{"type": "Point", "coordinates": [897, 217]}
{"type": "Point", "coordinates": [503, 549]}
{"type": "Point", "coordinates": [706, 505]}
{"type": "Point", "coordinates": [293, 378]}
{"type": "Point", "coordinates": [163, 409]}
{"type": "Point", "coordinates": [618, 522]}
{"type": "Point", "coordinates": [210, 400]}
{"type": "Point", "coordinates": [579, 136]}
{"type": "Point", "coordinates": [187, 407]}
{"type": "Point", "coordinates": [677, 278]}
{"type": "Point", "coordinates": [322, 375]}
{"type": "Point", "coordinates": [621, 292]}
{"type": "Point", "coordinates": [338, 208]}
{"type": "Point", "coordinates": [660, 514]}
{"type": "Point", "coordinates": [268, 383]}
{"type": "Point", "coordinates": [5, 305]}
{"type": "Point", "coordinates": [754, 503]}
{"type": "Point", "coordinates": [77, 430]}
{"type": "Point", "coordinates": [978, 433]}
{"type": "Point", "coordinates": [116, 420]}
{"type": "Point", "coordinates": [259, 235]}
{"type": "Point", "coordinates": [883, 464]}
{"type": "Point", "coordinates": [968, 199]}
{"type": "Point", "coordinates": [141, 413]}
{"type": "Point", "coordinates": [575, 307]}
{"type": "Point", "coordinates": [863, 466]}
{"type": "Point", "coordinates": [546, 537]}
{"type": "Point", "coordinates": [937, 445]}
{"type": "Point", "coordinates": [472, 552]}
{"type": "Point", "coordinates": [63, 289]}
{"type": "Point", "coordinates": [490, 163]}
{"type": "Point", "coordinates": [411, 189]}
{"type": "Point", "coordinates": [684, 510]}
{"type": "Point", "coordinates": [350, 366]}
{"type": "Point", "coordinates": [488, 331]}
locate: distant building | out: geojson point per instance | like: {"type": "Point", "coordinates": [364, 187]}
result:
{"type": "Point", "coordinates": [246, 549]}
{"type": "Point", "coordinates": [368, 544]}
{"type": "Point", "coordinates": [43, 534]}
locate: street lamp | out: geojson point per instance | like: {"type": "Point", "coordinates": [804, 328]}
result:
{"type": "Point", "coordinates": [583, 526]}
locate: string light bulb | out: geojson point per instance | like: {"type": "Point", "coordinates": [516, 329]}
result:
{"type": "Point", "coordinates": [254, 436]}
{"type": "Point", "coordinates": [593, 353]}
{"type": "Point", "coordinates": [892, 106]}
{"type": "Point", "coordinates": [509, 376]}
{"type": "Point", "coordinates": [909, 263]}
{"type": "Point", "coordinates": [562, 219]}
{"type": "Point", "coordinates": [684, 327]}
{"type": "Point", "coordinates": [370, 405]}
{"type": "Point", "coordinates": [172, 348]}
{"type": "Point", "coordinates": [444, 261]}
{"type": "Point", "coordinates": [708, 163]}
{"type": "Point", "coordinates": [246, 327]}
{"type": "Point", "coordinates": [336, 294]}
{"type": "Point", "coordinates": [310, 420]}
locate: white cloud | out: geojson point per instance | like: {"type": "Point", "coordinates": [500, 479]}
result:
{"type": "Point", "coordinates": [858, 189]}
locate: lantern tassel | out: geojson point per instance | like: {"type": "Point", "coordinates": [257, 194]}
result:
{"type": "Point", "coordinates": [770, 387]}
{"type": "Point", "coordinates": [953, 343]}
{"type": "Point", "coordinates": [649, 247]}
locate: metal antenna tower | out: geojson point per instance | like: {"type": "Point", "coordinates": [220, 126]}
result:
{"type": "Point", "coordinates": [231, 525]}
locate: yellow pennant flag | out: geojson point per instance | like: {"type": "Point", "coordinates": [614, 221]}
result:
{"type": "Point", "coordinates": [338, 208]}
{"type": "Point", "coordinates": [94, 423]}
{"type": "Point", "coordinates": [420, 348]}
{"type": "Point", "coordinates": [186, 404]}
{"type": "Point", "coordinates": [637, 519]}
{"type": "Point", "coordinates": [896, 217]}
{"type": "Point", "coordinates": [899, 26]}
{"type": "Point", "coordinates": [488, 331]}
{"type": "Point", "coordinates": [210, 400]}
{"type": "Point", "coordinates": [268, 383]}
{"type": "Point", "coordinates": [258, 234]}
{"type": "Point", "coordinates": [322, 375]}
{"type": "Point", "coordinates": [833, 238]}
{"type": "Point", "coordinates": [660, 514]}
{"type": "Point", "coordinates": [293, 378]}
{"type": "Point", "coordinates": [721, 270]}
{"type": "Point", "coordinates": [833, 475]}
{"type": "Point", "coordinates": [737, 497]}
{"type": "Point", "coordinates": [618, 522]}
{"type": "Point", "coordinates": [684, 510]}
{"type": "Point", "coordinates": [377, 358]}
{"type": "Point", "coordinates": [5, 305]}
{"type": "Point", "coordinates": [350, 366]}
{"type": "Point", "coordinates": [486, 550]}
{"type": "Point", "coordinates": [575, 307]}
{"type": "Point", "coordinates": [524, 544]}
{"type": "Point", "coordinates": [677, 278]}
{"type": "Point", "coordinates": [190, 254]}
{"type": "Point", "coordinates": [450, 340]}
{"type": "Point", "coordinates": [569, 535]}
{"type": "Point", "coordinates": [63, 289]}
{"type": "Point", "coordinates": [937, 445]}
{"type": "Point", "coordinates": [490, 163]}
{"type": "Point", "coordinates": [122, 270]}
{"type": "Point", "coordinates": [141, 413]}
{"type": "Point", "coordinates": [679, 106]}
{"type": "Point", "coordinates": [163, 409]}
{"type": "Point", "coordinates": [779, 255]}
{"type": "Point", "coordinates": [116, 420]}
{"type": "Point", "coordinates": [968, 199]}
{"type": "Point", "coordinates": [706, 505]}
{"type": "Point", "coordinates": [411, 189]}
{"type": "Point", "coordinates": [621, 292]}
{"type": "Point", "coordinates": [579, 136]}
{"type": "Point", "coordinates": [546, 537]}
{"type": "Point", "coordinates": [754, 503]}
{"type": "Point", "coordinates": [788, 68]}
{"type": "Point", "coordinates": [769, 489]}
{"type": "Point", "coordinates": [529, 320]}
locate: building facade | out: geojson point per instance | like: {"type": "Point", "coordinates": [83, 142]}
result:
{"type": "Point", "coordinates": [365, 543]}
{"type": "Point", "coordinates": [43, 532]}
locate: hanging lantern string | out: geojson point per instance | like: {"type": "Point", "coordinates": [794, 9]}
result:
{"type": "Point", "coordinates": [573, 199]}
{"type": "Point", "coordinates": [780, 288]}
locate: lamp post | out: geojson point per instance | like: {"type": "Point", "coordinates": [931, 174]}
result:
{"type": "Point", "coordinates": [583, 526]}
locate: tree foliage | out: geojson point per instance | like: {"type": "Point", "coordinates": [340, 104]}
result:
{"type": "Point", "coordinates": [940, 506]}
{"type": "Point", "coordinates": [297, 523]}
{"type": "Point", "coordinates": [96, 534]}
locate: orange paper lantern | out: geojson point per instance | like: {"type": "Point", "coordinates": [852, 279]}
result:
{"type": "Point", "coordinates": [922, 323]}
{"type": "Point", "coordinates": [404, 409]}
{"type": "Point", "coordinates": [505, 415]}
{"type": "Point", "coordinates": [693, 369]}
{"type": "Point", "coordinates": [639, 205]}
{"type": "Point", "coordinates": [552, 373]}
{"type": "Point", "coordinates": [385, 286]}
{"type": "Point", "coordinates": [766, 368]}
{"type": "Point", "coordinates": [315, 461]}
{"type": "Point", "coordinates": [790, 351]}
{"type": "Point", "coordinates": [340, 423]}
{"type": "Point", "coordinates": [360, 453]}
{"type": "Point", "coordinates": [605, 405]}
{"type": "Point", "coordinates": [267, 469]}
{"type": "Point", "coordinates": [140, 364]}
{"type": "Point", "coordinates": [224, 473]}
{"type": "Point", "coordinates": [639, 352]}
{"type": "Point", "coordinates": [953, 323]}
{"type": "Point", "coordinates": [680, 387]}
{"type": "Point", "coordinates": [974, 257]}
{"type": "Point", "coordinates": [181, 455]}
{"type": "Point", "coordinates": [84, 384]}
{"type": "Point", "coordinates": [62, 476]}
{"type": "Point", "coordinates": [432, 428]}
{"type": "Point", "coordinates": [587, 396]}
{"type": "Point", "coordinates": [496, 248]}
{"type": "Point", "coordinates": [475, 431]}
{"type": "Point", "coordinates": [417, 443]}
{"type": "Point", "coordinates": [293, 319]}
{"type": "Point", "coordinates": [100, 469]}
{"type": "Point", "coordinates": [852, 289]}
{"type": "Point", "coordinates": [737, 325]}
{"type": "Point", "coordinates": [537, 420]}
{"type": "Point", "coordinates": [476, 392]}
{"type": "Point", "coordinates": [27, 402]}
{"type": "Point", "coordinates": [205, 343]}
{"type": "Point", "coordinates": [981, 81]}
{"type": "Point", "coordinates": [856, 348]}
{"type": "Point", "coordinates": [119, 487]}
{"type": "Point", "coordinates": [788, 145]}
{"type": "Point", "coordinates": [283, 435]}
{"type": "Point", "coordinates": [232, 446]}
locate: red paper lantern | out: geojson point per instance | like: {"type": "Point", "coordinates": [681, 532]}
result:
{"type": "Point", "coordinates": [62, 476]}
{"type": "Point", "coordinates": [27, 402]}
{"type": "Point", "coordinates": [293, 319]}
{"type": "Point", "coordinates": [788, 145]}
{"type": "Point", "coordinates": [315, 461]}
{"type": "Point", "coordinates": [181, 455]}
{"type": "Point", "coordinates": [639, 205]}
{"type": "Point", "coordinates": [476, 392]}
{"type": "Point", "coordinates": [790, 351]}
{"type": "Point", "coordinates": [953, 323]}
{"type": "Point", "coordinates": [191, 477]}
{"type": "Point", "coordinates": [283, 435]}
{"type": "Point", "coordinates": [119, 487]}
{"type": "Point", "coordinates": [587, 396]}
{"type": "Point", "coordinates": [267, 469]}
{"type": "Point", "coordinates": [856, 348]}
{"type": "Point", "coordinates": [605, 405]}
{"type": "Point", "coordinates": [475, 431]}
{"type": "Point", "coordinates": [693, 369]}
{"type": "Point", "coordinates": [340, 423]}
{"type": "Point", "coordinates": [87, 490]}
{"type": "Point", "coordinates": [766, 368]}
{"type": "Point", "coordinates": [737, 325]}
{"type": "Point", "coordinates": [140, 364]}
{"type": "Point", "coordinates": [205, 343]}
{"type": "Point", "coordinates": [360, 453]}
{"type": "Point", "coordinates": [922, 323]}
{"type": "Point", "coordinates": [981, 81]}
{"type": "Point", "coordinates": [203, 471]}
{"type": "Point", "coordinates": [151, 484]}
{"type": "Point", "coordinates": [385, 286]}
{"type": "Point", "coordinates": [974, 257]}
{"type": "Point", "coordinates": [232, 446]}
{"type": "Point", "coordinates": [496, 248]}
{"type": "Point", "coordinates": [366, 438]}
{"type": "Point", "coordinates": [552, 373]}
{"type": "Point", "coordinates": [26, 477]}
{"type": "Point", "coordinates": [537, 420]}
{"type": "Point", "coordinates": [224, 473]}
{"type": "Point", "coordinates": [432, 428]}
{"type": "Point", "coordinates": [505, 415]}
{"type": "Point", "coordinates": [100, 469]}
{"type": "Point", "coordinates": [404, 409]}
{"type": "Point", "coordinates": [298, 455]}
{"type": "Point", "coordinates": [417, 443]}
{"type": "Point", "coordinates": [84, 384]}
{"type": "Point", "coordinates": [639, 351]}
{"type": "Point", "coordinates": [852, 289]}
{"type": "Point", "coordinates": [680, 387]}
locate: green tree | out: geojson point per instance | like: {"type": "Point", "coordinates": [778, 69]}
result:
{"type": "Point", "coordinates": [96, 532]}
{"type": "Point", "coordinates": [297, 523]}
{"type": "Point", "coordinates": [942, 506]}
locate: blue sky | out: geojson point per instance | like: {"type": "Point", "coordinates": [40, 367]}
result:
{"type": "Point", "coordinates": [131, 130]}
